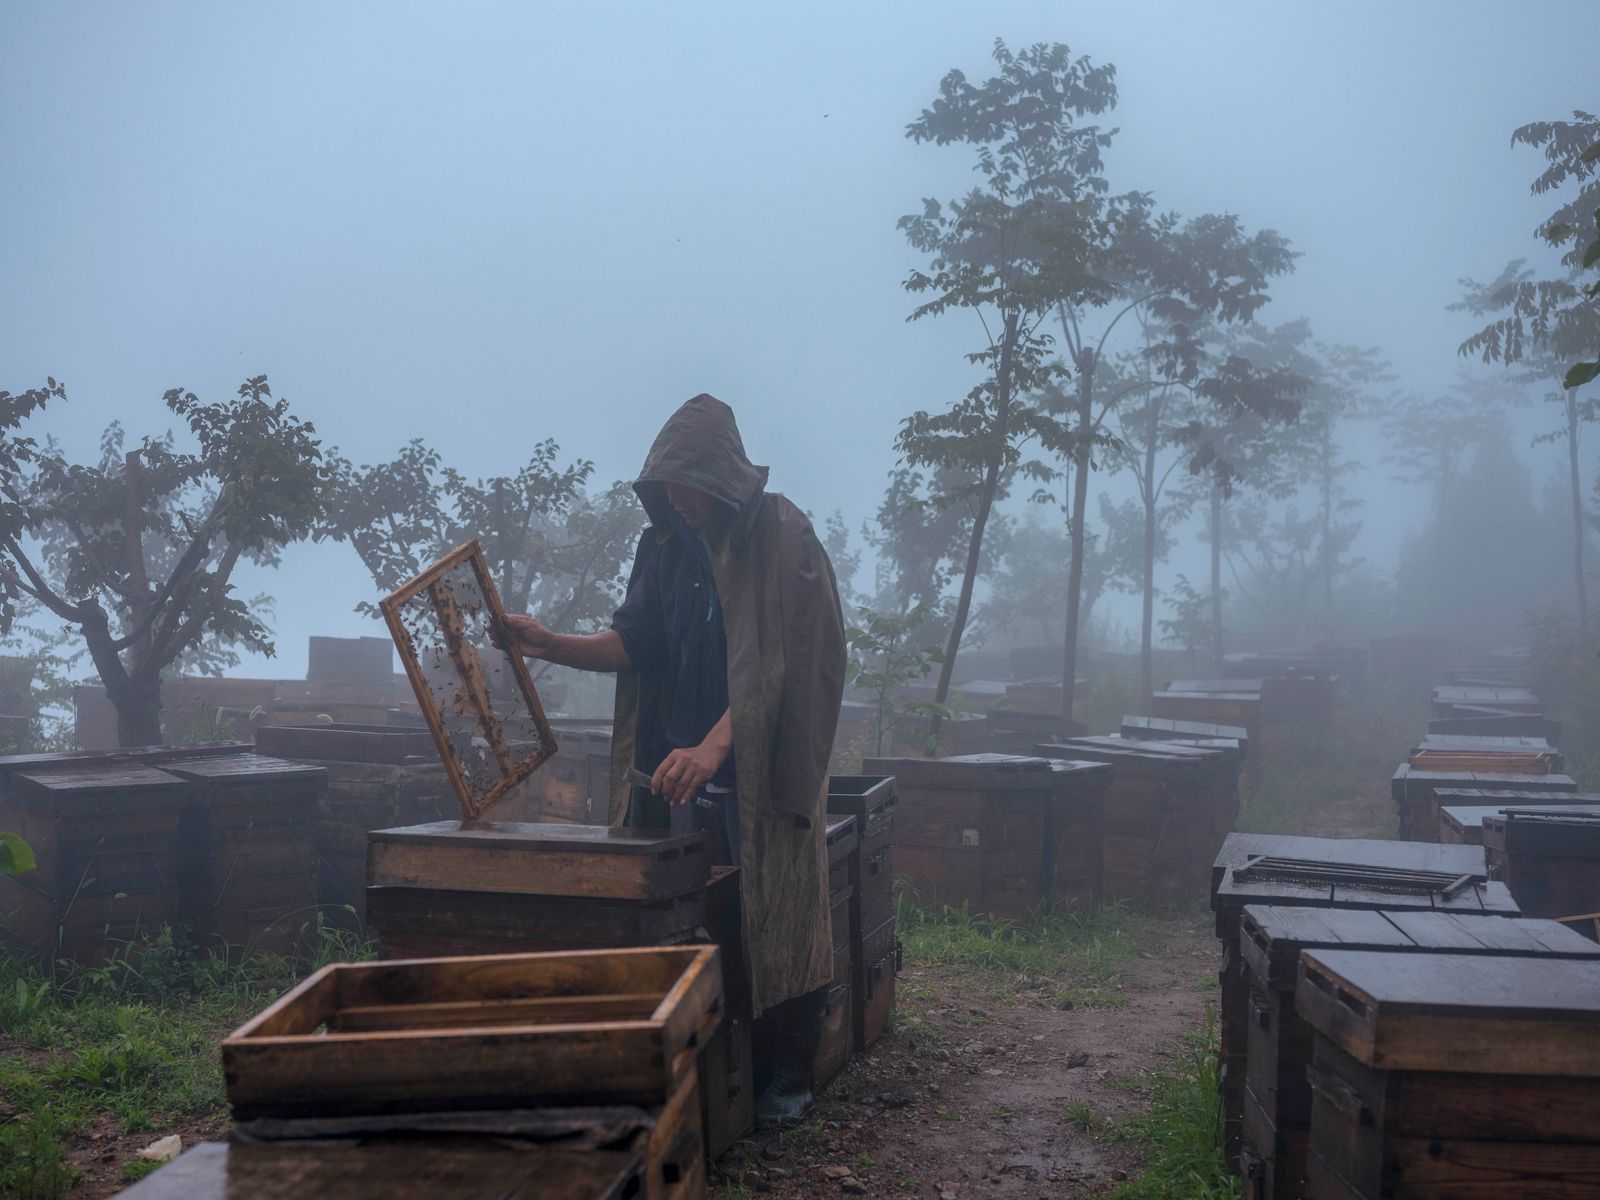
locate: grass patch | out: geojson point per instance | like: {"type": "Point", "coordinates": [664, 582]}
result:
{"type": "Point", "coordinates": [1079, 1115]}
{"type": "Point", "coordinates": [1180, 1137]}
{"type": "Point", "coordinates": [1064, 958]}
{"type": "Point", "coordinates": [135, 1040]}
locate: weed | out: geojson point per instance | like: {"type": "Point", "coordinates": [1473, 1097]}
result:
{"type": "Point", "coordinates": [1079, 1115]}
{"type": "Point", "coordinates": [33, 1162]}
{"type": "Point", "coordinates": [911, 1185]}
{"type": "Point", "coordinates": [865, 1162]}
{"type": "Point", "coordinates": [136, 1169]}
{"type": "Point", "coordinates": [1003, 1112]}
{"type": "Point", "coordinates": [1181, 1134]}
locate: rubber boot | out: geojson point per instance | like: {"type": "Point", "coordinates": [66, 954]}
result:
{"type": "Point", "coordinates": [787, 1097]}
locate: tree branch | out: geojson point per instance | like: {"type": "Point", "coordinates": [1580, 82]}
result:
{"type": "Point", "coordinates": [42, 591]}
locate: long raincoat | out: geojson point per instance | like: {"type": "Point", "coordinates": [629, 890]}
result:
{"type": "Point", "coordinates": [786, 669]}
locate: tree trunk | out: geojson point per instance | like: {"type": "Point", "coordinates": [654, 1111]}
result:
{"type": "Point", "coordinates": [1148, 581]}
{"type": "Point", "coordinates": [1327, 525]}
{"type": "Point", "coordinates": [1577, 512]}
{"type": "Point", "coordinates": [138, 714]}
{"type": "Point", "coordinates": [980, 519]}
{"type": "Point", "coordinates": [1216, 574]}
{"type": "Point", "coordinates": [1075, 528]}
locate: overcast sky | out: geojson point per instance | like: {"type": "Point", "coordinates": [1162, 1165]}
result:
{"type": "Point", "coordinates": [487, 224]}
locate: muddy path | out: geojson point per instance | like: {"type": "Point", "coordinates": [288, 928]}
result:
{"type": "Point", "coordinates": [977, 1095]}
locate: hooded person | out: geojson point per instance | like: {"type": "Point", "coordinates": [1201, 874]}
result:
{"type": "Point", "coordinates": [730, 659]}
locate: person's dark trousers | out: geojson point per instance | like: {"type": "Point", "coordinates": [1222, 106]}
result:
{"type": "Point", "coordinates": [784, 1052]}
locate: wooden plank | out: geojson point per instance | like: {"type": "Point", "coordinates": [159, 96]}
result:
{"type": "Point", "coordinates": [520, 1010]}
{"type": "Point", "coordinates": [1413, 856]}
{"type": "Point", "coordinates": [1442, 1012]}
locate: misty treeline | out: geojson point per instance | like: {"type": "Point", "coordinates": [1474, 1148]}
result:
{"type": "Point", "coordinates": [1127, 396]}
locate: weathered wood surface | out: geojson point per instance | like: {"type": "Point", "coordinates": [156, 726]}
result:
{"type": "Point", "coordinates": [1075, 832]}
{"type": "Point", "coordinates": [1414, 856]}
{"type": "Point", "coordinates": [1414, 791]}
{"type": "Point", "coordinates": [872, 800]}
{"type": "Point", "coordinates": [1454, 1012]}
{"type": "Point", "coordinates": [1551, 861]}
{"type": "Point", "coordinates": [1509, 725]}
{"type": "Point", "coordinates": [838, 1035]}
{"type": "Point", "coordinates": [1461, 811]}
{"type": "Point", "coordinates": [347, 742]}
{"type": "Point", "coordinates": [966, 772]}
{"type": "Point", "coordinates": [1508, 699]}
{"type": "Point", "coordinates": [468, 1168]}
{"type": "Point", "coordinates": [292, 1060]}
{"type": "Point", "coordinates": [556, 860]}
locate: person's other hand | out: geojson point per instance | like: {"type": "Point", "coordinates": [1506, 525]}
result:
{"type": "Point", "coordinates": [521, 634]}
{"type": "Point", "coordinates": [684, 772]}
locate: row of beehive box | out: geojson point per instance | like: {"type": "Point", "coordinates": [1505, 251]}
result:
{"type": "Point", "coordinates": [1507, 793]}
{"type": "Point", "coordinates": [213, 840]}
{"type": "Point", "coordinates": [1393, 1027]}
{"type": "Point", "coordinates": [1136, 815]}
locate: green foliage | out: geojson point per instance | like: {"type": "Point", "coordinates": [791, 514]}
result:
{"type": "Point", "coordinates": [1181, 1135]}
{"type": "Point", "coordinates": [33, 1161]}
{"type": "Point", "coordinates": [16, 856]}
{"type": "Point", "coordinates": [1190, 622]}
{"type": "Point", "coordinates": [883, 660]}
{"type": "Point", "coordinates": [548, 541]}
{"type": "Point", "coordinates": [1581, 373]}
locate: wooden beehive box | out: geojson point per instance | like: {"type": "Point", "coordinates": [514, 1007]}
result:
{"type": "Point", "coordinates": [1462, 810]}
{"type": "Point", "coordinates": [462, 1167]}
{"type": "Point", "coordinates": [1452, 1075]}
{"type": "Point", "coordinates": [1075, 829]}
{"type": "Point", "coordinates": [490, 1032]}
{"type": "Point", "coordinates": [1551, 861]}
{"type": "Point", "coordinates": [1277, 1102]}
{"type": "Point", "coordinates": [508, 887]}
{"type": "Point", "coordinates": [970, 830]}
{"type": "Point", "coordinates": [1414, 792]}
{"type": "Point", "coordinates": [1509, 725]}
{"type": "Point", "coordinates": [1014, 730]}
{"type": "Point", "coordinates": [872, 800]}
{"type": "Point", "coordinates": [111, 865]}
{"type": "Point", "coordinates": [1169, 729]}
{"type": "Point", "coordinates": [839, 1014]}
{"type": "Point", "coordinates": [253, 872]}
{"type": "Point", "coordinates": [1160, 818]}
{"type": "Point", "coordinates": [1232, 891]}
{"type": "Point", "coordinates": [1236, 708]}
{"type": "Point", "coordinates": [573, 786]}
{"type": "Point", "coordinates": [1450, 701]}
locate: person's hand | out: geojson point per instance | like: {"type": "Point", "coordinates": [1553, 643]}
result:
{"type": "Point", "coordinates": [521, 634]}
{"type": "Point", "coordinates": [684, 772]}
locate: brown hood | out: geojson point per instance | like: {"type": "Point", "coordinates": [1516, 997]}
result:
{"type": "Point", "coordinates": [700, 447]}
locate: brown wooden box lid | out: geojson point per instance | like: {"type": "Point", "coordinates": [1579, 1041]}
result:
{"type": "Point", "coordinates": [1074, 777]}
{"type": "Point", "coordinates": [1419, 856]}
{"type": "Point", "coordinates": [1492, 898]}
{"type": "Point", "coordinates": [1173, 729]}
{"type": "Point", "coordinates": [83, 790]}
{"type": "Point", "coordinates": [539, 859]}
{"type": "Point", "coordinates": [1272, 936]}
{"type": "Point", "coordinates": [1461, 817]}
{"type": "Point", "coordinates": [964, 772]}
{"type": "Point", "coordinates": [484, 1032]}
{"type": "Point", "coordinates": [232, 770]}
{"type": "Point", "coordinates": [1468, 1014]}
{"type": "Point", "coordinates": [347, 742]}
{"type": "Point", "coordinates": [1132, 757]}
{"type": "Point", "coordinates": [1487, 697]}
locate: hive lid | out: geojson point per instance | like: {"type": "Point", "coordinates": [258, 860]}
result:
{"type": "Point", "coordinates": [966, 772]}
{"type": "Point", "coordinates": [1470, 1014]}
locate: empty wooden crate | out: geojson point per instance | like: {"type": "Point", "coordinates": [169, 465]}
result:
{"type": "Point", "coordinates": [970, 830]}
{"type": "Point", "coordinates": [1448, 1075]}
{"type": "Point", "coordinates": [1277, 1103]}
{"type": "Point", "coordinates": [490, 1032]}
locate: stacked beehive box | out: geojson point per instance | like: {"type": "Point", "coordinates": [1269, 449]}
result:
{"type": "Point", "coordinates": [1450, 700]}
{"type": "Point", "coordinates": [1462, 810]}
{"type": "Point", "coordinates": [1447, 1075]}
{"type": "Point", "coordinates": [1550, 860]}
{"type": "Point", "coordinates": [1162, 818]}
{"type": "Point", "coordinates": [1415, 793]}
{"type": "Point", "coordinates": [1075, 833]}
{"type": "Point", "coordinates": [573, 785]}
{"type": "Point", "coordinates": [1217, 702]}
{"type": "Point", "coordinates": [210, 839]}
{"type": "Point", "coordinates": [874, 950]}
{"type": "Point", "coordinates": [971, 830]}
{"type": "Point", "coordinates": [838, 1013]}
{"type": "Point", "coordinates": [1277, 1101]}
{"type": "Point", "coordinates": [379, 777]}
{"type": "Point", "coordinates": [1327, 873]}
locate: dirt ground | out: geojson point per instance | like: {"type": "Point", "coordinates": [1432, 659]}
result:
{"type": "Point", "coordinates": [972, 1097]}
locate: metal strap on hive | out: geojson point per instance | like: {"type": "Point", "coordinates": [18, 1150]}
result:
{"type": "Point", "coordinates": [1266, 867]}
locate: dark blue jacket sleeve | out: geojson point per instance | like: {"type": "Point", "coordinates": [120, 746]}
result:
{"type": "Point", "coordinates": [639, 621]}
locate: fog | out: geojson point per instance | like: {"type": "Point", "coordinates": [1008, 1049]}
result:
{"type": "Point", "coordinates": [484, 225]}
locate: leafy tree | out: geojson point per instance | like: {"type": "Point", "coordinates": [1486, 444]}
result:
{"type": "Point", "coordinates": [549, 543]}
{"type": "Point", "coordinates": [1179, 278]}
{"type": "Point", "coordinates": [1189, 624]}
{"type": "Point", "coordinates": [1545, 322]}
{"type": "Point", "coordinates": [138, 554]}
{"type": "Point", "coordinates": [1007, 253]}
{"type": "Point", "coordinates": [884, 658]}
